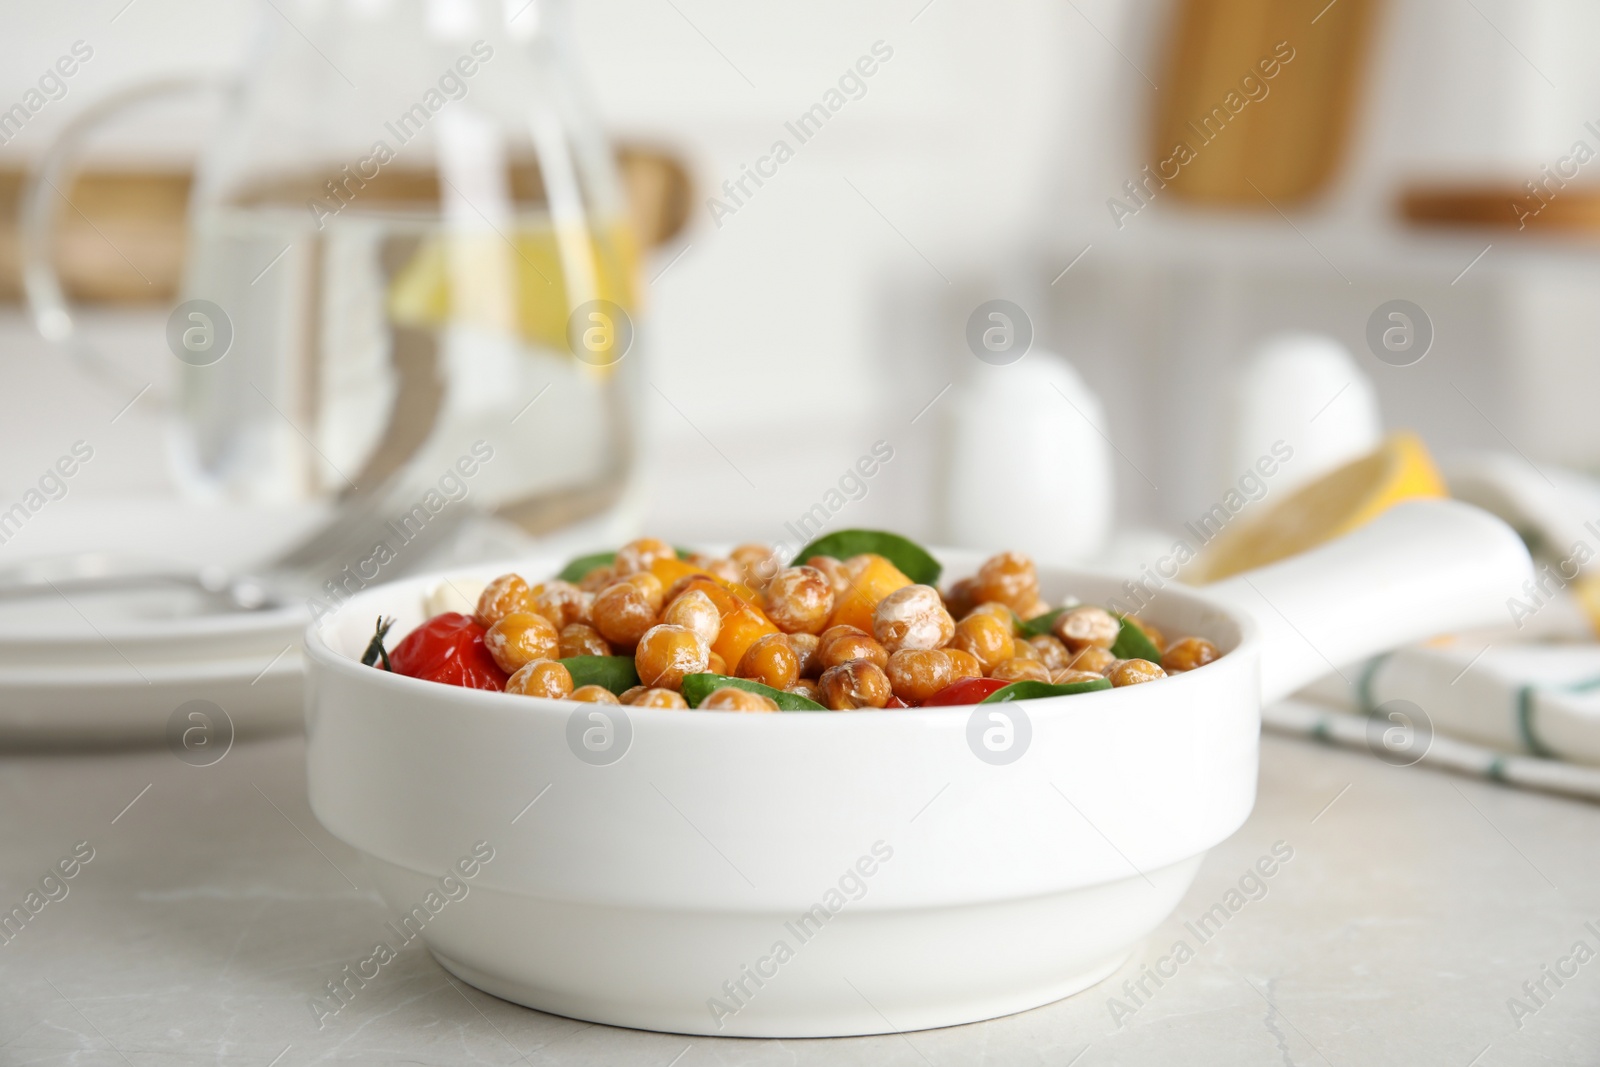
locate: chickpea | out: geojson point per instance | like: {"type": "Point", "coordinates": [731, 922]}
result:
{"type": "Point", "coordinates": [520, 638]}
{"type": "Point", "coordinates": [1086, 625]}
{"type": "Point", "coordinates": [808, 690]}
{"type": "Point", "coordinates": [666, 653]}
{"type": "Point", "coordinates": [1029, 612]}
{"type": "Point", "coordinates": [622, 613]}
{"type": "Point", "coordinates": [856, 564]}
{"type": "Point", "coordinates": [561, 602]}
{"type": "Point", "coordinates": [772, 662]}
{"type": "Point", "coordinates": [915, 674]}
{"type": "Point", "coordinates": [799, 600]}
{"type": "Point", "coordinates": [1072, 677]}
{"type": "Point", "coordinates": [1023, 650]}
{"type": "Point", "coordinates": [912, 616]}
{"type": "Point", "coordinates": [841, 643]}
{"type": "Point", "coordinates": [635, 557]}
{"type": "Point", "coordinates": [594, 694]}
{"type": "Point", "coordinates": [581, 639]}
{"type": "Point", "coordinates": [805, 651]}
{"type": "Point", "coordinates": [504, 595]}
{"type": "Point", "coordinates": [1134, 672]}
{"type": "Point", "coordinates": [963, 665]}
{"type": "Point", "coordinates": [598, 579]}
{"type": "Point", "coordinates": [1092, 658]}
{"type": "Point", "coordinates": [650, 586]}
{"type": "Point", "coordinates": [627, 695]}
{"type": "Point", "coordinates": [958, 599]}
{"type": "Point", "coordinates": [1187, 653]}
{"type": "Point", "coordinates": [1052, 653]}
{"type": "Point", "coordinates": [857, 683]}
{"type": "Point", "coordinates": [644, 697]}
{"type": "Point", "coordinates": [834, 571]}
{"type": "Point", "coordinates": [1021, 670]}
{"type": "Point", "coordinates": [697, 611]}
{"type": "Point", "coordinates": [1009, 578]}
{"type": "Point", "coordinates": [984, 637]}
{"type": "Point", "coordinates": [724, 570]}
{"type": "Point", "coordinates": [541, 678]}
{"type": "Point", "coordinates": [728, 698]}
{"type": "Point", "coordinates": [715, 664]}
{"type": "Point", "coordinates": [1007, 617]}
{"type": "Point", "coordinates": [757, 564]}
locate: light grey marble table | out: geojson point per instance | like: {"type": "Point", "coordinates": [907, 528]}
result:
{"type": "Point", "coordinates": [1414, 908]}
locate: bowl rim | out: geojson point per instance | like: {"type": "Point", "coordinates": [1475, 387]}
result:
{"type": "Point", "coordinates": [319, 654]}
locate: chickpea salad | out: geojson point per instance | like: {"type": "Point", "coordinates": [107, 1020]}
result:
{"type": "Point", "coordinates": [855, 621]}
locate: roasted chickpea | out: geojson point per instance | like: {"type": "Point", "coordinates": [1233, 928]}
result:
{"type": "Point", "coordinates": [915, 674]}
{"type": "Point", "coordinates": [724, 570]}
{"type": "Point", "coordinates": [520, 638]}
{"type": "Point", "coordinates": [697, 611]}
{"type": "Point", "coordinates": [858, 683]}
{"type": "Point", "coordinates": [1021, 670]}
{"type": "Point", "coordinates": [541, 678]}
{"type": "Point", "coordinates": [1086, 625]}
{"type": "Point", "coordinates": [958, 599]}
{"type": "Point", "coordinates": [799, 600]}
{"type": "Point", "coordinates": [635, 557]}
{"type": "Point", "coordinates": [985, 638]}
{"type": "Point", "coordinates": [833, 570]}
{"type": "Point", "coordinates": [666, 653]}
{"type": "Point", "coordinates": [1187, 653]}
{"type": "Point", "coordinates": [1093, 658]}
{"type": "Point", "coordinates": [1052, 653]}
{"type": "Point", "coordinates": [650, 586]}
{"type": "Point", "coordinates": [580, 639]}
{"type": "Point", "coordinates": [757, 564]}
{"type": "Point", "coordinates": [912, 616]}
{"type": "Point", "coordinates": [805, 689]}
{"type": "Point", "coordinates": [645, 697]}
{"type": "Point", "coordinates": [1134, 672]}
{"type": "Point", "coordinates": [963, 665]}
{"type": "Point", "coordinates": [772, 662]}
{"type": "Point", "coordinates": [841, 643]}
{"type": "Point", "coordinates": [506, 594]}
{"type": "Point", "coordinates": [1005, 615]}
{"type": "Point", "coordinates": [594, 694]}
{"type": "Point", "coordinates": [715, 664]}
{"type": "Point", "coordinates": [1009, 578]}
{"type": "Point", "coordinates": [1023, 650]}
{"type": "Point", "coordinates": [1029, 612]}
{"type": "Point", "coordinates": [805, 651]}
{"type": "Point", "coordinates": [1072, 677]}
{"type": "Point", "coordinates": [856, 564]}
{"type": "Point", "coordinates": [622, 613]}
{"type": "Point", "coordinates": [561, 602]}
{"type": "Point", "coordinates": [729, 698]}
{"type": "Point", "coordinates": [598, 579]}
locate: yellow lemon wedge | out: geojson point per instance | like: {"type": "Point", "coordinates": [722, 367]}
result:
{"type": "Point", "coordinates": [1334, 504]}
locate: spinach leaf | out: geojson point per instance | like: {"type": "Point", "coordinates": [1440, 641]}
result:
{"type": "Point", "coordinates": [579, 569]}
{"type": "Point", "coordinates": [911, 558]}
{"type": "Point", "coordinates": [615, 673]}
{"type": "Point", "coordinates": [1040, 625]}
{"type": "Point", "coordinates": [696, 687]}
{"type": "Point", "coordinates": [1039, 690]}
{"type": "Point", "coordinates": [1133, 643]}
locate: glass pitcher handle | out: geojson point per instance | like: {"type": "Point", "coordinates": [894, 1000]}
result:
{"type": "Point", "coordinates": [52, 313]}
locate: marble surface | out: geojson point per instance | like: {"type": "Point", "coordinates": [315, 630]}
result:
{"type": "Point", "coordinates": [1414, 907]}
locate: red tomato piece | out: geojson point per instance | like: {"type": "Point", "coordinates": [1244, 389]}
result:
{"type": "Point", "coordinates": [966, 691]}
{"type": "Point", "coordinates": [449, 649]}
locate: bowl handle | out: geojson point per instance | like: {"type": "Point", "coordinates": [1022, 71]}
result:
{"type": "Point", "coordinates": [1420, 569]}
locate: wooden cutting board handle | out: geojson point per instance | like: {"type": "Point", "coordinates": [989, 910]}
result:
{"type": "Point", "coordinates": [1263, 94]}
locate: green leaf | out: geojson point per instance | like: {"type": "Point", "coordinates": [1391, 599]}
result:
{"type": "Point", "coordinates": [911, 558]}
{"type": "Point", "coordinates": [1132, 643]}
{"type": "Point", "coordinates": [1040, 690]}
{"type": "Point", "coordinates": [1042, 624]}
{"type": "Point", "coordinates": [615, 673]}
{"type": "Point", "coordinates": [579, 569]}
{"type": "Point", "coordinates": [696, 687]}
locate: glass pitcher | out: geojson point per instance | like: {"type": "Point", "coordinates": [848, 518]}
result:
{"type": "Point", "coordinates": [411, 279]}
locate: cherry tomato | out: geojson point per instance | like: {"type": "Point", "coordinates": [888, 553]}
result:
{"type": "Point", "coordinates": [448, 648]}
{"type": "Point", "coordinates": [896, 702]}
{"type": "Point", "coordinates": [966, 691]}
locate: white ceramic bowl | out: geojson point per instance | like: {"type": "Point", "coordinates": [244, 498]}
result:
{"type": "Point", "coordinates": [666, 890]}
